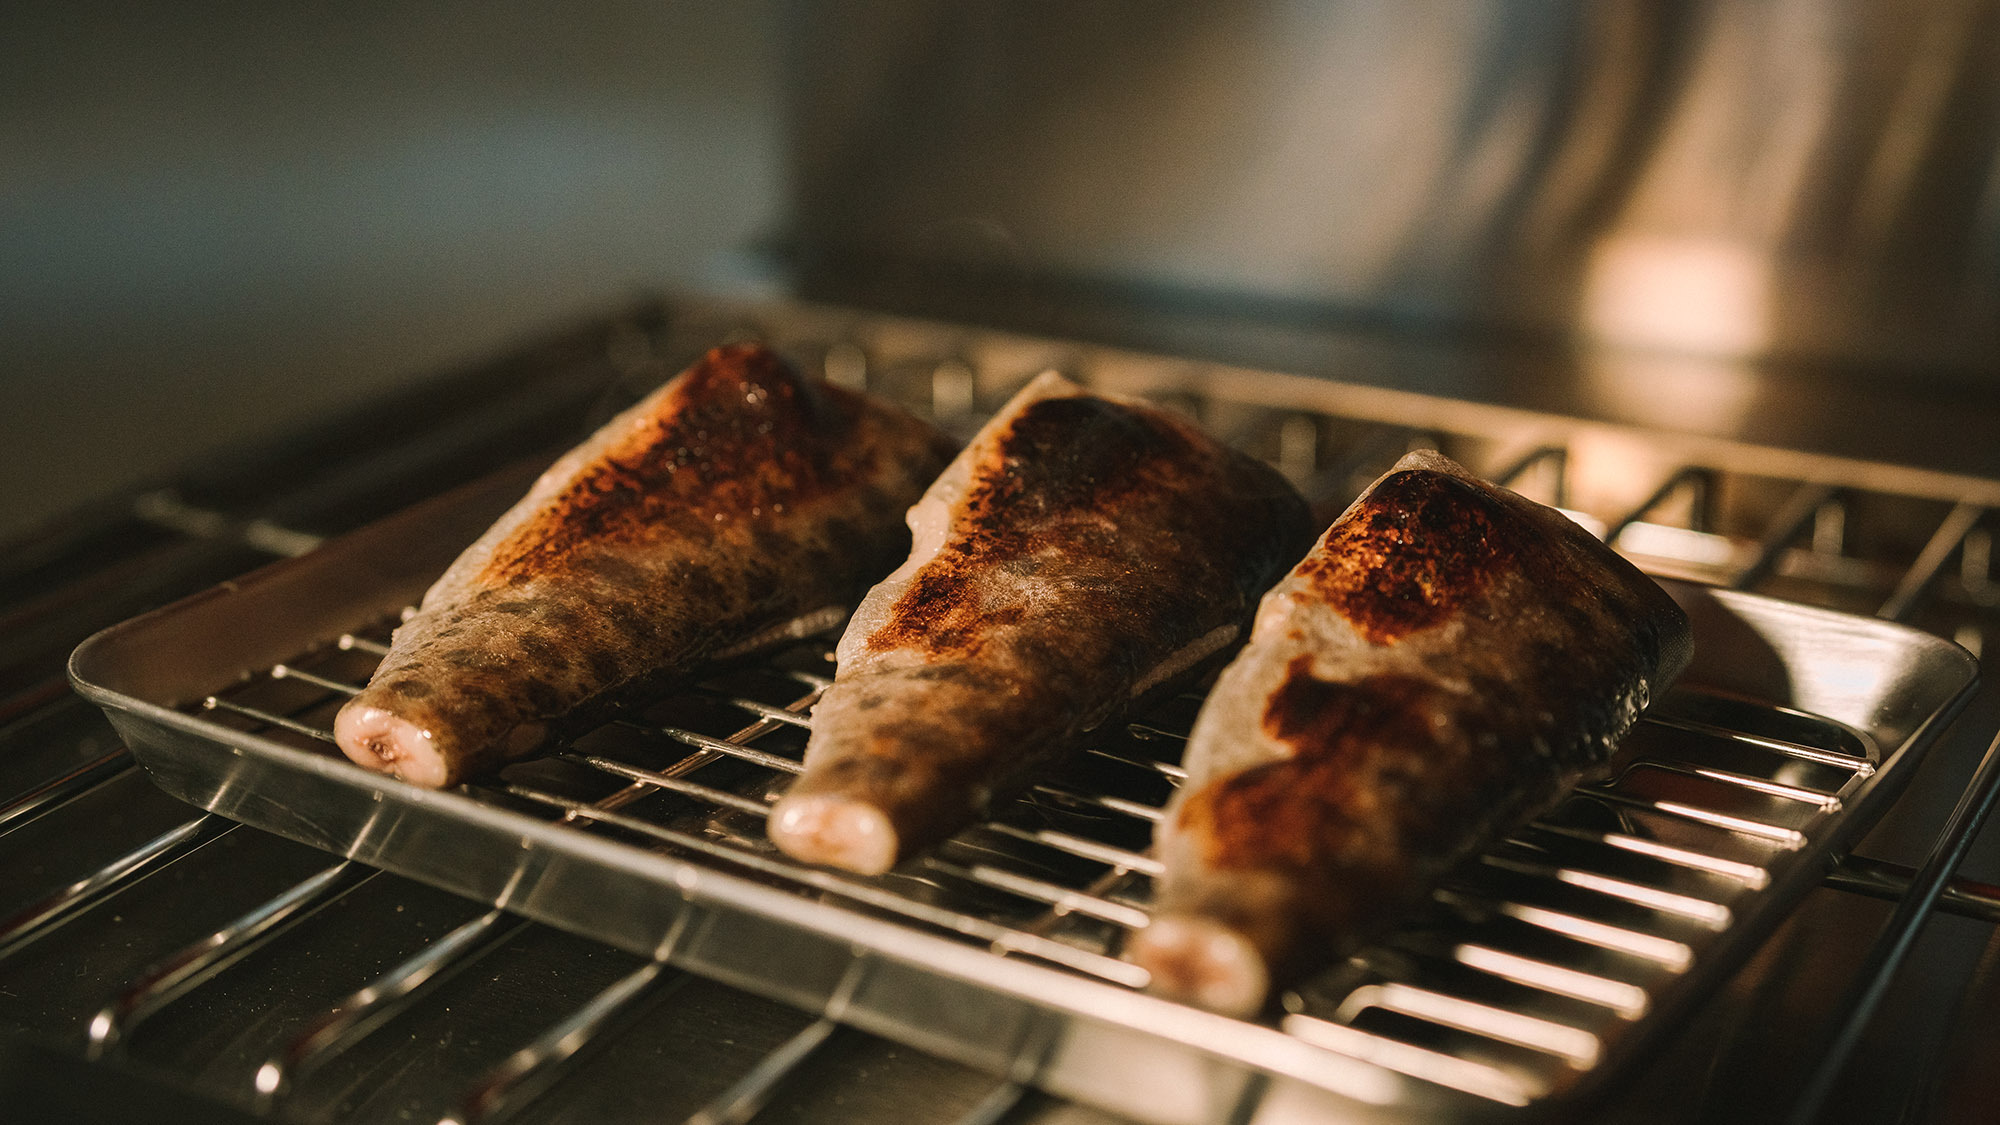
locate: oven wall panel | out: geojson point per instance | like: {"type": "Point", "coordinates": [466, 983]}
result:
{"type": "Point", "coordinates": [219, 220]}
{"type": "Point", "coordinates": [1817, 179]}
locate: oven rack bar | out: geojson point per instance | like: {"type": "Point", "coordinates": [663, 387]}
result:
{"type": "Point", "coordinates": [1416, 1062]}
{"type": "Point", "coordinates": [49, 913]}
{"type": "Point", "coordinates": [1892, 947]}
{"type": "Point", "coordinates": [750, 1093]}
{"type": "Point", "coordinates": [529, 1072]}
{"type": "Point", "coordinates": [1570, 885]}
{"type": "Point", "coordinates": [44, 796]}
{"type": "Point", "coordinates": [186, 970]}
{"type": "Point", "coordinates": [379, 1001]}
{"type": "Point", "coordinates": [1974, 584]}
{"type": "Point", "coordinates": [1059, 900]}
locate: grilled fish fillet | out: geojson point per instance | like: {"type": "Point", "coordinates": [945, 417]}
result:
{"type": "Point", "coordinates": [1080, 552]}
{"type": "Point", "coordinates": [735, 500]}
{"type": "Point", "coordinates": [1445, 663]}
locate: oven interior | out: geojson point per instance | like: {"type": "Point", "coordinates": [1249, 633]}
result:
{"type": "Point", "coordinates": [236, 965]}
{"type": "Point", "coordinates": [1721, 279]}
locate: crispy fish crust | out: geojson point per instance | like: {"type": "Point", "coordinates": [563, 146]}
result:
{"type": "Point", "coordinates": [736, 499]}
{"type": "Point", "coordinates": [1081, 551]}
{"type": "Point", "coordinates": [1445, 663]}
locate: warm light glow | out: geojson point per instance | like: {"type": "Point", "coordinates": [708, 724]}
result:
{"type": "Point", "coordinates": [1628, 1000]}
{"type": "Point", "coordinates": [1683, 294]}
{"type": "Point", "coordinates": [1580, 1047]}
{"type": "Point", "coordinates": [1673, 954]}
{"type": "Point", "coordinates": [1506, 1087]}
{"type": "Point", "coordinates": [1745, 873]}
{"type": "Point", "coordinates": [1714, 915]}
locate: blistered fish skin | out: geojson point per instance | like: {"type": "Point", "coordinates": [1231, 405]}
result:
{"type": "Point", "coordinates": [1080, 552]}
{"type": "Point", "coordinates": [1446, 662]}
{"type": "Point", "coordinates": [738, 497]}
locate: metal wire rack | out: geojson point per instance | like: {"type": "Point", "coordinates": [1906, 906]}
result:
{"type": "Point", "coordinates": [1524, 973]}
{"type": "Point", "coordinates": [1512, 983]}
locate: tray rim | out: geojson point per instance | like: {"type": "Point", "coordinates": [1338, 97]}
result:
{"type": "Point", "coordinates": [1250, 1045]}
{"type": "Point", "coordinates": [153, 728]}
{"type": "Point", "coordinates": [1252, 1048]}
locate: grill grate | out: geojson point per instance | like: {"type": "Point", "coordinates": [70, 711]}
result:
{"type": "Point", "coordinates": [1524, 969]}
{"type": "Point", "coordinates": [1527, 967]}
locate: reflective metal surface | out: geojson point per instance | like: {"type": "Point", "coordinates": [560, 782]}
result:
{"type": "Point", "coordinates": [1565, 948]}
{"type": "Point", "coordinates": [1815, 178]}
{"type": "Point", "coordinates": [1743, 1055]}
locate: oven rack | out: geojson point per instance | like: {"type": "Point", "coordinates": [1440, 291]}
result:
{"type": "Point", "coordinates": [1751, 561]}
{"type": "Point", "coordinates": [1535, 966]}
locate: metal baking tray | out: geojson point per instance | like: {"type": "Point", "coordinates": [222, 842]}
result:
{"type": "Point", "coordinates": [1526, 981]}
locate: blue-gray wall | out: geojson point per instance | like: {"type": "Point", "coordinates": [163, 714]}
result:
{"type": "Point", "coordinates": [220, 218]}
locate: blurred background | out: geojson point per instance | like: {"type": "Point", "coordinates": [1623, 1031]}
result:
{"type": "Point", "coordinates": [1775, 222]}
{"type": "Point", "coordinates": [219, 219]}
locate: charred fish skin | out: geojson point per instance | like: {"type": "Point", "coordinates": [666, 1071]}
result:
{"type": "Point", "coordinates": [1081, 551]}
{"type": "Point", "coordinates": [736, 498]}
{"type": "Point", "coordinates": [1447, 661]}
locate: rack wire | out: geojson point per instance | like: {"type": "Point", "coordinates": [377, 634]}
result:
{"type": "Point", "coordinates": [1512, 983]}
{"type": "Point", "coordinates": [1525, 970]}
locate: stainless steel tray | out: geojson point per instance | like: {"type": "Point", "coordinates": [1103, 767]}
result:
{"type": "Point", "coordinates": [1530, 976]}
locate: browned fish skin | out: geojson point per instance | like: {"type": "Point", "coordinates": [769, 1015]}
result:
{"type": "Point", "coordinates": [737, 498]}
{"type": "Point", "coordinates": [1445, 663]}
{"type": "Point", "coordinates": [1076, 547]}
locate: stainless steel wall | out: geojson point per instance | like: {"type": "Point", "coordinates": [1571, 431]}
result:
{"type": "Point", "coordinates": [217, 219]}
{"type": "Point", "coordinates": [220, 218]}
{"type": "Point", "coordinates": [1815, 178]}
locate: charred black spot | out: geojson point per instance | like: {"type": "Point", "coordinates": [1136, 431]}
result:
{"type": "Point", "coordinates": [699, 583]}
{"type": "Point", "coordinates": [409, 689]}
{"type": "Point", "coordinates": [938, 593]}
{"type": "Point", "coordinates": [1156, 532]}
{"type": "Point", "coordinates": [769, 544]}
{"type": "Point", "coordinates": [1367, 756]}
{"type": "Point", "coordinates": [603, 666]}
{"type": "Point", "coordinates": [542, 695]}
{"type": "Point", "coordinates": [637, 629]}
{"type": "Point", "coordinates": [846, 539]}
{"type": "Point", "coordinates": [760, 583]}
{"type": "Point", "coordinates": [747, 432]}
{"type": "Point", "coordinates": [1071, 452]}
{"type": "Point", "coordinates": [1322, 717]}
{"type": "Point", "coordinates": [1420, 545]}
